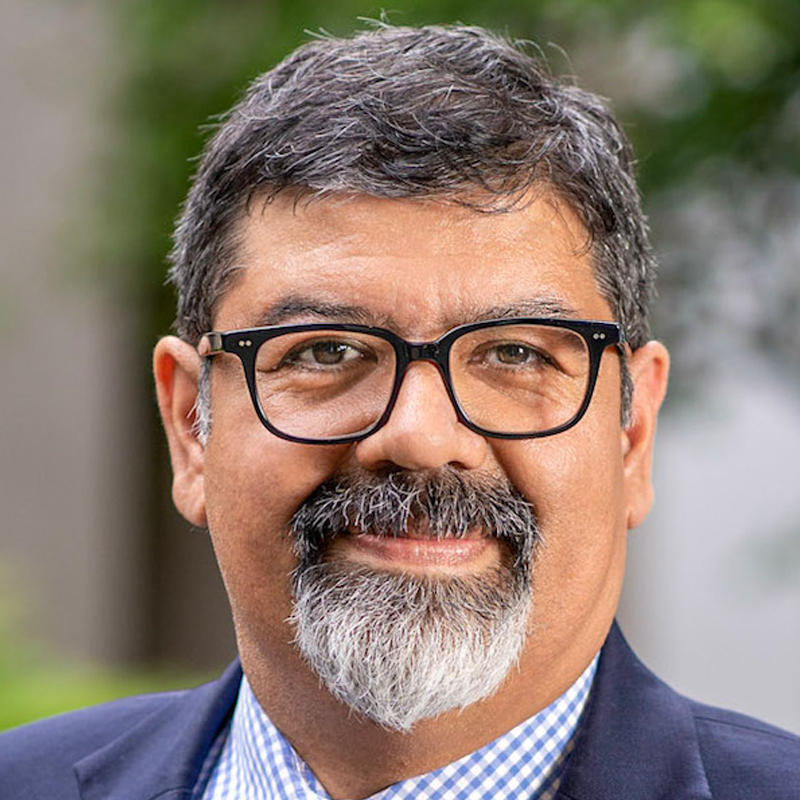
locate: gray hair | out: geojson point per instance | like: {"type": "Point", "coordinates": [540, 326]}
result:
{"type": "Point", "coordinates": [450, 113]}
{"type": "Point", "coordinates": [398, 648]}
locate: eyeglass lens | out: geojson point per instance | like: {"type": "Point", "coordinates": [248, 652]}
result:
{"type": "Point", "coordinates": [520, 378]}
{"type": "Point", "coordinates": [508, 379]}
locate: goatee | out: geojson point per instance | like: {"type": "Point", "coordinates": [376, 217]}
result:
{"type": "Point", "coordinates": [399, 647]}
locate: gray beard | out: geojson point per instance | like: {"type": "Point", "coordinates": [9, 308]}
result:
{"type": "Point", "coordinates": [398, 647]}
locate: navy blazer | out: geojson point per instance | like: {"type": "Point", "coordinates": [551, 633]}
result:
{"type": "Point", "coordinates": [639, 741]}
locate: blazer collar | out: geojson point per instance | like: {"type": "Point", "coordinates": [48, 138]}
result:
{"type": "Point", "coordinates": [638, 739]}
{"type": "Point", "coordinates": [162, 755]}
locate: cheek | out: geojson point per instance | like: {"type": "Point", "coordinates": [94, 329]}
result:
{"type": "Point", "coordinates": [254, 480]}
{"type": "Point", "coordinates": [574, 481]}
{"type": "Point", "coordinates": [254, 483]}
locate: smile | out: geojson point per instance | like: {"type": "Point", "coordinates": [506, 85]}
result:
{"type": "Point", "coordinates": [417, 550]}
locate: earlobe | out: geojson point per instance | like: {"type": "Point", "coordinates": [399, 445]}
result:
{"type": "Point", "coordinates": [176, 367]}
{"type": "Point", "coordinates": [649, 368]}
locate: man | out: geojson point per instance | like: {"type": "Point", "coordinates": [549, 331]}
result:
{"type": "Point", "coordinates": [413, 398]}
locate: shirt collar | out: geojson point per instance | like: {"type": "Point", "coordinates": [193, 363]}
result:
{"type": "Point", "coordinates": [257, 761]}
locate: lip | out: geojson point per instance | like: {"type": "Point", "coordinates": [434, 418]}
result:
{"type": "Point", "coordinates": [417, 551]}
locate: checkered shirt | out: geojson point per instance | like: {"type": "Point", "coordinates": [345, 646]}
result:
{"type": "Point", "coordinates": [253, 761]}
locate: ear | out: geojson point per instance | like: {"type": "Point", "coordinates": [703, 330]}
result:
{"type": "Point", "coordinates": [176, 366]}
{"type": "Point", "coordinates": [649, 368]}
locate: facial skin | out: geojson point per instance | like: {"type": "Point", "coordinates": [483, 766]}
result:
{"type": "Point", "coordinates": [418, 268]}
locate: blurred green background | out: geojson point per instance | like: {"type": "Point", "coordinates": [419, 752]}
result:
{"type": "Point", "coordinates": [709, 91]}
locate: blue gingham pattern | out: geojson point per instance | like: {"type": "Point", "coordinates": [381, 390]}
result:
{"type": "Point", "coordinates": [253, 761]}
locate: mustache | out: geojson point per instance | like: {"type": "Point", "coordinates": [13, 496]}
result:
{"type": "Point", "coordinates": [447, 503]}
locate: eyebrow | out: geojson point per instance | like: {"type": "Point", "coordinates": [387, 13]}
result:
{"type": "Point", "coordinates": [546, 306]}
{"type": "Point", "coordinates": [294, 306]}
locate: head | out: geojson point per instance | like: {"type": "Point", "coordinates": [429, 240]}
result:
{"type": "Point", "coordinates": [413, 180]}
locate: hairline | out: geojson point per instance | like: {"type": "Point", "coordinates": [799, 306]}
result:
{"type": "Point", "coordinates": [231, 238]}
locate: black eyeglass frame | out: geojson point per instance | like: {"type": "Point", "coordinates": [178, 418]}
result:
{"type": "Point", "coordinates": [245, 342]}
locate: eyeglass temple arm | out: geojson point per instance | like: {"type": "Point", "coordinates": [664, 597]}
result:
{"type": "Point", "coordinates": [210, 344]}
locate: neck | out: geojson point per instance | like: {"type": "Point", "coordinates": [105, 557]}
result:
{"type": "Point", "coordinates": [355, 758]}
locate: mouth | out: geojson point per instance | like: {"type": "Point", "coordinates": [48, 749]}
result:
{"type": "Point", "coordinates": [417, 549]}
{"type": "Point", "coordinates": [441, 521]}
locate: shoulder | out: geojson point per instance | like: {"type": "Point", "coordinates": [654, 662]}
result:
{"type": "Point", "coordinates": [82, 730]}
{"type": "Point", "coordinates": [641, 739]}
{"type": "Point", "coordinates": [139, 747]}
{"type": "Point", "coordinates": [744, 757]}
{"type": "Point", "coordinates": [36, 760]}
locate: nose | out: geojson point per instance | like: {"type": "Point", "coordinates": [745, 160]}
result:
{"type": "Point", "coordinates": [423, 431]}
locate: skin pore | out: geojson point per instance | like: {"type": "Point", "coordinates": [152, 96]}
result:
{"type": "Point", "coordinates": [417, 268]}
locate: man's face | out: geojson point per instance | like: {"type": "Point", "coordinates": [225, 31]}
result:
{"type": "Point", "coordinates": [419, 269]}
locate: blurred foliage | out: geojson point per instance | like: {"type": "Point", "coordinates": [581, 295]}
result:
{"type": "Point", "coordinates": [34, 684]}
{"type": "Point", "coordinates": [46, 689]}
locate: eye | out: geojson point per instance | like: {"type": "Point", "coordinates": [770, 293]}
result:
{"type": "Point", "coordinates": [515, 354]}
{"type": "Point", "coordinates": [323, 353]}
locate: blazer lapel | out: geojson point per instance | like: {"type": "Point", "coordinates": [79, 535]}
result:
{"type": "Point", "coordinates": [638, 740]}
{"type": "Point", "coordinates": [162, 755]}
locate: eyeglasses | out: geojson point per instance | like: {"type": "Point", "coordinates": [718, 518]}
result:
{"type": "Point", "coordinates": [326, 383]}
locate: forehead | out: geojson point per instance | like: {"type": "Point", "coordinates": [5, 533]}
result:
{"type": "Point", "coordinates": [411, 265]}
